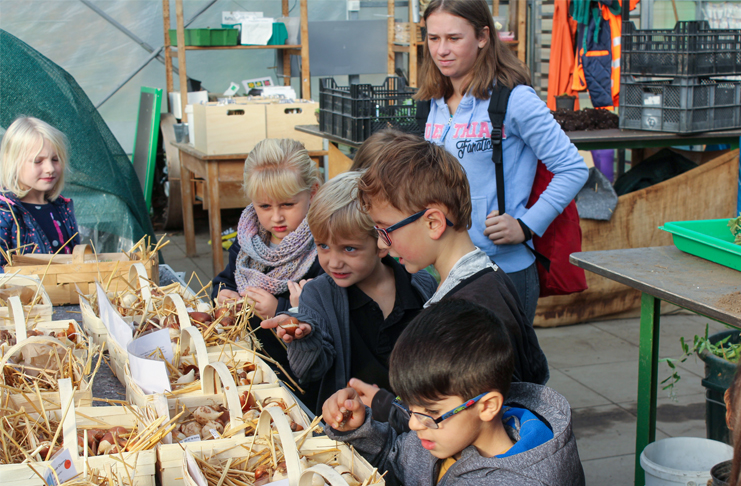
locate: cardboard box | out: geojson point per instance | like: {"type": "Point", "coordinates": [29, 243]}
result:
{"type": "Point", "coordinates": [228, 129]}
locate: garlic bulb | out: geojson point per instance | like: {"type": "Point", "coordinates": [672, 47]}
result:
{"type": "Point", "coordinates": [190, 377]}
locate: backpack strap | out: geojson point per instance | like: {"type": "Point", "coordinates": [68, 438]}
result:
{"type": "Point", "coordinates": [497, 110]}
{"type": "Point", "coordinates": [423, 112]}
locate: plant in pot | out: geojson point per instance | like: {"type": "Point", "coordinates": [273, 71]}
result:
{"type": "Point", "coordinates": [565, 101]}
{"type": "Point", "coordinates": [720, 352]}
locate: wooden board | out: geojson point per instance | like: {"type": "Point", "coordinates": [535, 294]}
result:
{"type": "Point", "coordinates": [707, 192]}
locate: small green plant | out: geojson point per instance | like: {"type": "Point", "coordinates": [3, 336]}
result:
{"type": "Point", "coordinates": [735, 225]}
{"type": "Point", "coordinates": [723, 349]}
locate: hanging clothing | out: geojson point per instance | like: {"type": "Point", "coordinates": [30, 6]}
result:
{"type": "Point", "coordinates": [597, 63]}
{"type": "Point", "coordinates": [561, 64]}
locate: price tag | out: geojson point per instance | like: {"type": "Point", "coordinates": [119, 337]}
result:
{"type": "Point", "coordinates": [192, 438]}
{"type": "Point", "coordinates": [214, 434]}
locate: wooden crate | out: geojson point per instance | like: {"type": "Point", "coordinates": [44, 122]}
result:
{"type": "Point", "coordinates": [80, 269]}
{"type": "Point", "coordinates": [190, 338]}
{"type": "Point", "coordinates": [228, 129]}
{"type": "Point", "coordinates": [42, 310]}
{"type": "Point", "coordinates": [140, 465]}
{"type": "Point", "coordinates": [283, 117]}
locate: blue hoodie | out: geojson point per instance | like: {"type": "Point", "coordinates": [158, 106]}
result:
{"type": "Point", "coordinates": [530, 134]}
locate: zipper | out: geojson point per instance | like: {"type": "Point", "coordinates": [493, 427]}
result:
{"type": "Point", "coordinates": [447, 128]}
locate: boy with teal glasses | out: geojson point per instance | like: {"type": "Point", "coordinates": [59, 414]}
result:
{"type": "Point", "coordinates": [469, 424]}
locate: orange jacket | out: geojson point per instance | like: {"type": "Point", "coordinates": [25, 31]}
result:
{"type": "Point", "coordinates": [561, 64]}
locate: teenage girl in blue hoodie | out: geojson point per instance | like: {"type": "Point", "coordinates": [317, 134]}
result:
{"type": "Point", "coordinates": [463, 59]}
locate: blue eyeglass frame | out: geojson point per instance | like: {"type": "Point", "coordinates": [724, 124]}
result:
{"type": "Point", "coordinates": [427, 420]}
{"type": "Point", "coordinates": [384, 232]}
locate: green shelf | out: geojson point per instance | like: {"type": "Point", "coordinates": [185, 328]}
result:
{"type": "Point", "coordinates": [710, 239]}
{"type": "Point", "coordinates": [206, 37]}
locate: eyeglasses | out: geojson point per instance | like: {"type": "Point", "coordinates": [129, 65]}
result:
{"type": "Point", "coordinates": [432, 423]}
{"type": "Point", "coordinates": [384, 232]}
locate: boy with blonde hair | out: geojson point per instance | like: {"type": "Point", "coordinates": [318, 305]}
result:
{"type": "Point", "coordinates": [469, 424]}
{"type": "Point", "coordinates": [351, 316]}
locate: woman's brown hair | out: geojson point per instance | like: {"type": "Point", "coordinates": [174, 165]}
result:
{"type": "Point", "coordinates": [495, 61]}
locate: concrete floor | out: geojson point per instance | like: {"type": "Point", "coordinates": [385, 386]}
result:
{"type": "Point", "coordinates": [594, 365]}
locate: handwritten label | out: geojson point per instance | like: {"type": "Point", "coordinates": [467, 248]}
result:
{"type": "Point", "coordinates": [62, 465]}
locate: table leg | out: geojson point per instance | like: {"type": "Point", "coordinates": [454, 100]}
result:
{"type": "Point", "coordinates": [214, 216]}
{"type": "Point", "coordinates": [648, 362]}
{"type": "Point", "coordinates": [738, 194]}
{"type": "Point", "coordinates": [186, 193]}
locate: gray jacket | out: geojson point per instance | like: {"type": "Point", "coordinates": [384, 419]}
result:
{"type": "Point", "coordinates": [324, 355]}
{"type": "Point", "coordinates": [554, 463]}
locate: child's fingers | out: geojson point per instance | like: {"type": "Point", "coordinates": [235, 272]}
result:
{"type": "Point", "coordinates": [493, 213]}
{"type": "Point", "coordinates": [274, 322]}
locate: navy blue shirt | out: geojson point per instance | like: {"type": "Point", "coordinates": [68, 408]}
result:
{"type": "Point", "coordinates": [48, 217]}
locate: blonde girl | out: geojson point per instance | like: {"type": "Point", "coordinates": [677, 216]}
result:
{"type": "Point", "coordinates": [34, 216]}
{"type": "Point", "coordinates": [275, 251]}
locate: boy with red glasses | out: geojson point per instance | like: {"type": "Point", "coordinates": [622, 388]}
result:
{"type": "Point", "coordinates": [419, 199]}
{"type": "Point", "coordinates": [508, 433]}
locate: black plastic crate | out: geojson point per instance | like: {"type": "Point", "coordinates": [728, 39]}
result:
{"type": "Point", "coordinates": [357, 111]}
{"type": "Point", "coordinates": [680, 105]}
{"type": "Point", "coordinates": [690, 49]}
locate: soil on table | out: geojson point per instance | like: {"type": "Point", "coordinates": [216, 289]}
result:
{"type": "Point", "coordinates": [730, 302]}
{"type": "Point", "coordinates": [587, 119]}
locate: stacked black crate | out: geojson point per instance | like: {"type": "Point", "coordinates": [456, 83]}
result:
{"type": "Point", "coordinates": [681, 80]}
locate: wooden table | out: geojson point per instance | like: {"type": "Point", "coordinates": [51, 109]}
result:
{"type": "Point", "coordinates": [222, 176]}
{"type": "Point", "coordinates": [662, 273]}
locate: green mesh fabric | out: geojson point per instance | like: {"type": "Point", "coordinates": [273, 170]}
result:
{"type": "Point", "coordinates": [109, 204]}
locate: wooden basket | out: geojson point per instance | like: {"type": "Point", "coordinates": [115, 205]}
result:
{"type": "Point", "coordinates": [141, 465]}
{"type": "Point", "coordinates": [81, 269]}
{"type": "Point", "coordinates": [51, 399]}
{"type": "Point", "coordinates": [223, 391]}
{"type": "Point", "coordinates": [320, 449]}
{"type": "Point", "coordinates": [42, 310]}
{"type": "Point", "coordinates": [94, 326]}
{"type": "Point", "coordinates": [191, 338]}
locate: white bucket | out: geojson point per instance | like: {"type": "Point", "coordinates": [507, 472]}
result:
{"type": "Point", "coordinates": [682, 461]}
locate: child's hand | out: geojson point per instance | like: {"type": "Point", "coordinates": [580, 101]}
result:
{"type": "Point", "coordinates": [226, 294]}
{"type": "Point", "coordinates": [295, 289]}
{"type": "Point", "coordinates": [503, 230]}
{"type": "Point", "coordinates": [265, 303]}
{"type": "Point", "coordinates": [365, 391]}
{"type": "Point", "coordinates": [344, 411]}
{"type": "Point", "coordinates": [277, 322]}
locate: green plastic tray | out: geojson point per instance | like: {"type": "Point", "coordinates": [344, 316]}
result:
{"type": "Point", "coordinates": [710, 239]}
{"type": "Point", "coordinates": [206, 37]}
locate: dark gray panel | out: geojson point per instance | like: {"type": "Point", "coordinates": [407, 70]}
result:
{"type": "Point", "coordinates": [348, 47]}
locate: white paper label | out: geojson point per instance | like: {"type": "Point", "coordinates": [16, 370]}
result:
{"type": "Point", "coordinates": [192, 438]}
{"type": "Point", "coordinates": [232, 89]}
{"type": "Point", "coordinates": [193, 470]}
{"type": "Point", "coordinates": [62, 464]}
{"type": "Point", "coordinates": [145, 361]}
{"type": "Point", "coordinates": [257, 31]}
{"type": "Point", "coordinates": [653, 100]}
{"type": "Point", "coordinates": [120, 330]}
{"type": "Point", "coordinates": [214, 434]}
